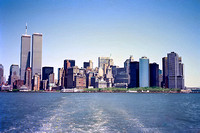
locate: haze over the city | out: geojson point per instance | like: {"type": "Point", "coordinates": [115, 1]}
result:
{"type": "Point", "coordinates": [87, 29]}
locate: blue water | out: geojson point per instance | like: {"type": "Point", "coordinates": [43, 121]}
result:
{"type": "Point", "coordinates": [99, 112]}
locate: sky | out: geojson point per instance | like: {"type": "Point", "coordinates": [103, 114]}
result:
{"type": "Point", "coordinates": [87, 29]}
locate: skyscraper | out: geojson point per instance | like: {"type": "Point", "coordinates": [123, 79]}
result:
{"type": "Point", "coordinates": [134, 74]}
{"type": "Point", "coordinates": [165, 72]}
{"type": "Point", "coordinates": [60, 76]}
{"type": "Point", "coordinates": [68, 63]}
{"type": "Point", "coordinates": [36, 53]}
{"type": "Point", "coordinates": [28, 78]}
{"type": "Point", "coordinates": [36, 82]}
{"type": "Point", "coordinates": [105, 60]}
{"type": "Point", "coordinates": [1, 74]}
{"type": "Point", "coordinates": [46, 71]}
{"type": "Point", "coordinates": [14, 74]}
{"type": "Point", "coordinates": [144, 72]}
{"type": "Point", "coordinates": [154, 75]}
{"type": "Point", "coordinates": [88, 64]}
{"type": "Point", "coordinates": [25, 54]}
{"type": "Point", "coordinates": [175, 71]}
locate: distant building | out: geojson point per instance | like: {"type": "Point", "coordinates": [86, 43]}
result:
{"type": "Point", "coordinates": [60, 76]}
{"type": "Point", "coordinates": [14, 74]}
{"type": "Point", "coordinates": [121, 78]}
{"type": "Point", "coordinates": [67, 64]}
{"type": "Point", "coordinates": [80, 81]}
{"type": "Point", "coordinates": [88, 79]}
{"type": "Point", "coordinates": [28, 79]}
{"type": "Point", "coordinates": [165, 72]}
{"type": "Point", "coordinates": [44, 85]}
{"type": "Point", "coordinates": [109, 77]}
{"type": "Point", "coordinates": [144, 72]}
{"type": "Point", "coordinates": [17, 84]}
{"type": "Point", "coordinates": [88, 64]}
{"type": "Point", "coordinates": [36, 82]}
{"type": "Point", "coordinates": [36, 54]}
{"type": "Point", "coordinates": [51, 81]}
{"type": "Point", "coordinates": [175, 71]}
{"type": "Point", "coordinates": [25, 55]}
{"type": "Point", "coordinates": [104, 62]}
{"type": "Point", "coordinates": [100, 83]}
{"type": "Point", "coordinates": [71, 73]}
{"type": "Point", "coordinates": [127, 66]}
{"type": "Point", "coordinates": [154, 75]}
{"type": "Point", "coordinates": [46, 71]}
{"type": "Point", "coordinates": [134, 74]}
{"type": "Point", "coordinates": [1, 74]}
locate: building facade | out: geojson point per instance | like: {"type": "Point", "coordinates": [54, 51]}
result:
{"type": "Point", "coordinates": [134, 74]}
{"type": "Point", "coordinates": [46, 71]}
{"type": "Point", "coordinates": [1, 74]}
{"type": "Point", "coordinates": [25, 55]}
{"type": "Point", "coordinates": [28, 79]}
{"type": "Point", "coordinates": [36, 54]}
{"type": "Point", "coordinates": [144, 72]}
{"type": "Point", "coordinates": [154, 75]}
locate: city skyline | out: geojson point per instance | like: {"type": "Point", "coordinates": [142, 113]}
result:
{"type": "Point", "coordinates": [105, 38]}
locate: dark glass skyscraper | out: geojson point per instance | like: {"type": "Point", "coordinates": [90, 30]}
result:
{"type": "Point", "coordinates": [36, 54]}
{"type": "Point", "coordinates": [72, 63]}
{"type": "Point", "coordinates": [1, 73]}
{"type": "Point", "coordinates": [46, 71]}
{"type": "Point", "coordinates": [134, 74]}
{"type": "Point", "coordinates": [154, 75]}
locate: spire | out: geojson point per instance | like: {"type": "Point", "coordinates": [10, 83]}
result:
{"type": "Point", "coordinates": [26, 28]}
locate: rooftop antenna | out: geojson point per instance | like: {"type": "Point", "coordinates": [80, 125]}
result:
{"type": "Point", "coordinates": [26, 28]}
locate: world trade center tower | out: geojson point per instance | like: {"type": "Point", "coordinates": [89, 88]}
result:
{"type": "Point", "coordinates": [36, 54]}
{"type": "Point", "coordinates": [25, 54]}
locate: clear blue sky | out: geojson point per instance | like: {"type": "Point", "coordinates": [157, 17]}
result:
{"type": "Point", "coordinates": [87, 29]}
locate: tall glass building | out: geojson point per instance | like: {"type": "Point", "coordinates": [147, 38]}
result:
{"type": "Point", "coordinates": [1, 73]}
{"type": "Point", "coordinates": [24, 55]}
{"type": "Point", "coordinates": [144, 72]}
{"type": "Point", "coordinates": [36, 54]}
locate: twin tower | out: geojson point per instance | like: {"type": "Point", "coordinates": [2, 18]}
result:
{"type": "Point", "coordinates": [25, 55]}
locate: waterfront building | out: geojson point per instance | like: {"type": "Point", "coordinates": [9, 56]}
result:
{"type": "Point", "coordinates": [121, 78]}
{"type": "Point", "coordinates": [71, 73]}
{"type": "Point", "coordinates": [127, 66]}
{"type": "Point", "coordinates": [67, 64]}
{"type": "Point", "coordinates": [154, 75]}
{"type": "Point", "coordinates": [160, 78]}
{"type": "Point", "coordinates": [89, 75]}
{"type": "Point", "coordinates": [1, 74]}
{"type": "Point", "coordinates": [17, 84]}
{"type": "Point", "coordinates": [44, 85]}
{"type": "Point", "coordinates": [51, 81]}
{"type": "Point", "coordinates": [109, 77]}
{"type": "Point", "coordinates": [144, 72]}
{"type": "Point", "coordinates": [25, 54]}
{"type": "Point", "coordinates": [134, 74]}
{"type": "Point", "coordinates": [165, 72]}
{"type": "Point", "coordinates": [80, 82]}
{"type": "Point", "coordinates": [28, 79]}
{"type": "Point", "coordinates": [14, 74]}
{"type": "Point", "coordinates": [100, 83]}
{"type": "Point", "coordinates": [36, 54]}
{"type": "Point", "coordinates": [60, 75]}
{"type": "Point", "coordinates": [36, 82]}
{"type": "Point", "coordinates": [46, 71]}
{"type": "Point", "coordinates": [175, 71]}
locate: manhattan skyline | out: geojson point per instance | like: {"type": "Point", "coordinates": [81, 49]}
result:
{"type": "Point", "coordinates": [86, 30]}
